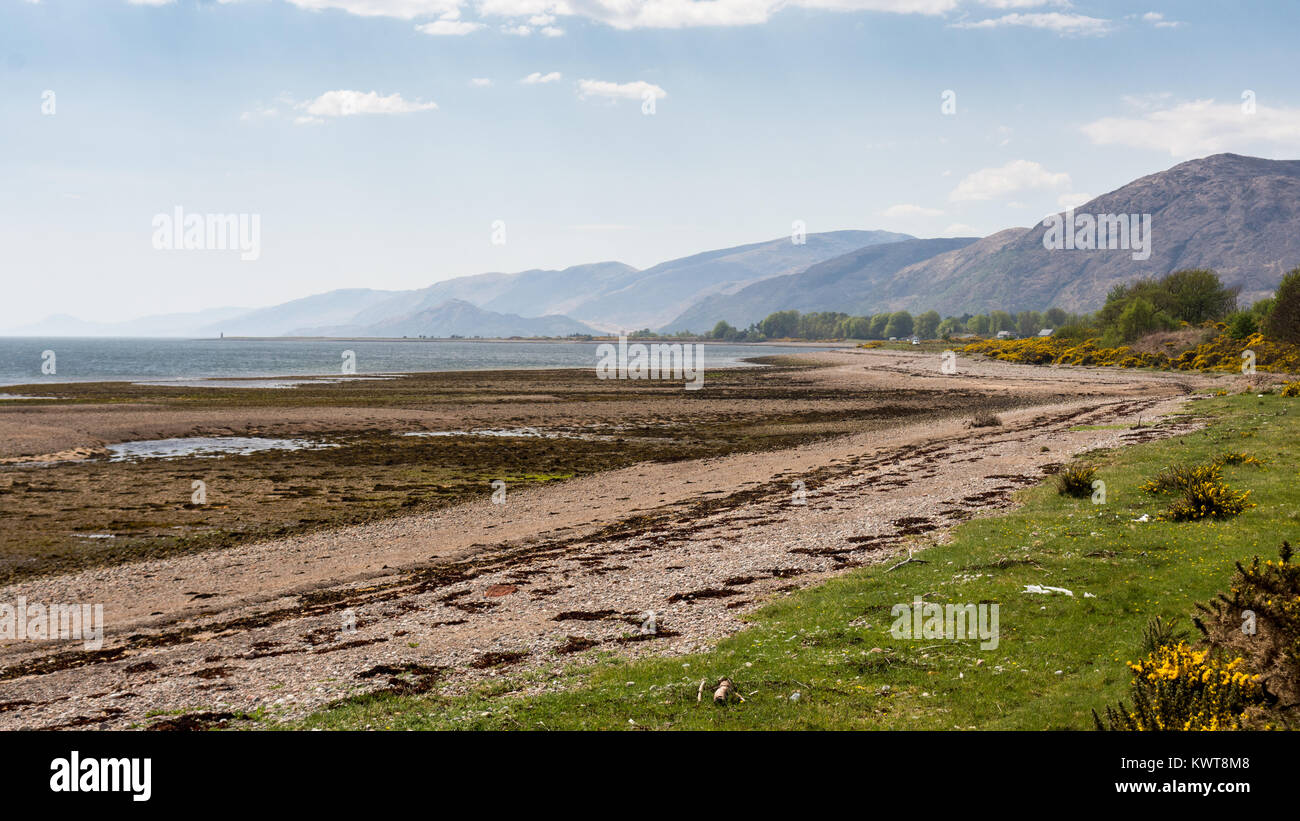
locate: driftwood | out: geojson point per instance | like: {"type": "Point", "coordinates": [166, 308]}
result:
{"type": "Point", "coordinates": [908, 560]}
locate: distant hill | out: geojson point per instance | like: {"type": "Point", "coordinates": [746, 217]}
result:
{"type": "Point", "coordinates": [327, 308]}
{"type": "Point", "coordinates": [1238, 215]}
{"type": "Point", "coordinates": [845, 283]}
{"type": "Point", "coordinates": [614, 296]}
{"type": "Point", "coordinates": [649, 298]}
{"type": "Point", "coordinates": [456, 317]}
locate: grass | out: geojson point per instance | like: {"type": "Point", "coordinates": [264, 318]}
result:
{"type": "Point", "coordinates": [1058, 658]}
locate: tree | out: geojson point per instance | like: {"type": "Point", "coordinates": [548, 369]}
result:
{"type": "Point", "coordinates": [949, 327]}
{"type": "Point", "coordinates": [781, 324]}
{"type": "Point", "coordinates": [927, 325]}
{"type": "Point", "coordinates": [978, 324]}
{"type": "Point", "coordinates": [900, 325]}
{"type": "Point", "coordinates": [723, 330]}
{"type": "Point", "coordinates": [1140, 317]}
{"type": "Point", "coordinates": [856, 327]}
{"type": "Point", "coordinates": [1198, 296]}
{"type": "Point", "coordinates": [1029, 323]}
{"type": "Point", "coordinates": [1055, 317]}
{"type": "Point", "coordinates": [1001, 321]}
{"type": "Point", "coordinates": [1283, 321]}
{"type": "Point", "coordinates": [878, 324]}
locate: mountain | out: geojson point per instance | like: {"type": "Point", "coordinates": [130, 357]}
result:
{"type": "Point", "coordinates": [649, 298]}
{"type": "Point", "coordinates": [1239, 216]}
{"type": "Point", "coordinates": [321, 309]}
{"type": "Point", "coordinates": [456, 317]}
{"type": "Point", "coordinates": [845, 283]}
{"type": "Point", "coordinates": [536, 292]}
{"type": "Point", "coordinates": [614, 296]}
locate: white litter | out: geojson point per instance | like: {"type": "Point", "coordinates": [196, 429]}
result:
{"type": "Point", "coordinates": [1036, 588]}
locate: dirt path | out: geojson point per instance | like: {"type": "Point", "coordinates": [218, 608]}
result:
{"type": "Point", "coordinates": [459, 594]}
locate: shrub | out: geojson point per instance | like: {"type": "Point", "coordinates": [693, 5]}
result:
{"type": "Point", "coordinates": [1291, 389]}
{"type": "Point", "coordinates": [1179, 688]}
{"type": "Point", "coordinates": [1259, 619]}
{"type": "Point", "coordinates": [1236, 459]}
{"type": "Point", "coordinates": [1076, 480]}
{"type": "Point", "coordinates": [1242, 325]}
{"type": "Point", "coordinates": [985, 419]}
{"type": "Point", "coordinates": [1206, 500]}
{"type": "Point", "coordinates": [1177, 478]}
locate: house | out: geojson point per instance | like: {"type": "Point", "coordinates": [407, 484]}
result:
{"type": "Point", "coordinates": [1006, 334]}
{"type": "Point", "coordinates": [1045, 332]}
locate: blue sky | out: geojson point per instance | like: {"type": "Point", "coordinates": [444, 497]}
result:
{"type": "Point", "coordinates": [379, 140]}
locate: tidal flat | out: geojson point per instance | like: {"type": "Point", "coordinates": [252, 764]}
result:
{"type": "Point", "coordinates": [62, 497]}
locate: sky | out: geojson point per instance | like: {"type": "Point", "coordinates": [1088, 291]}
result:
{"type": "Point", "coordinates": [394, 143]}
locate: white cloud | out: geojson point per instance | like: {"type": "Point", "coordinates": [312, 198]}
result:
{"type": "Point", "coordinates": [620, 91]}
{"type": "Point", "coordinates": [142, 2]}
{"type": "Point", "coordinates": [1058, 22]}
{"type": "Point", "coordinates": [348, 103]}
{"type": "Point", "coordinates": [909, 210]}
{"type": "Point", "coordinates": [1017, 175]}
{"type": "Point", "coordinates": [537, 78]}
{"type": "Point", "coordinates": [1022, 4]}
{"type": "Point", "coordinates": [449, 27]}
{"type": "Point", "coordinates": [1201, 127]}
{"type": "Point", "coordinates": [480, 82]}
{"type": "Point", "coordinates": [1073, 199]}
{"type": "Point", "coordinates": [632, 14]}
{"type": "Point", "coordinates": [1158, 20]}
{"type": "Point", "coordinates": [961, 229]}
{"type": "Point", "coordinates": [400, 9]}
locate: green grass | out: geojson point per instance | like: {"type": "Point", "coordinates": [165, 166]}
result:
{"type": "Point", "coordinates": [1058, 657]}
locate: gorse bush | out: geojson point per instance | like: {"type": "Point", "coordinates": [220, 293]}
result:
{"type": "Point", "coordinates": [1236, 459]}
{"type": "Point", "coordinates": [1220, 353]}
{"type": "Point", "coordinates": [1291, 389]}
{"type": "Point", "coordinates": [1245, 674]}
{"type": "Point", "coordinates": [1206, 500]}
{"type": "Point", "coordinates": [1076, 480]}
{"type": "Point", "coordinates": [1179, 688]}
{"type": "Point", "coordinates": [1258, 618]}
{"type": "Point", "coordinates": [1177, 478]}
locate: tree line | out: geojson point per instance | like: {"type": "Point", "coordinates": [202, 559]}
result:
{"type": "Point", "coordinates": [1132, 310]}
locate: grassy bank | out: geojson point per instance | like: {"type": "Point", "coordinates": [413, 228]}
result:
{"type": "Point", "coordinates": [1058, 658]}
